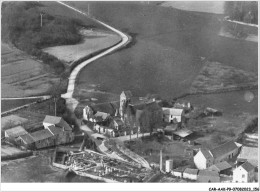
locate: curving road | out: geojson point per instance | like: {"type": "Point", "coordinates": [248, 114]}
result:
{"type": "Point", "coordinates": [76, 70]}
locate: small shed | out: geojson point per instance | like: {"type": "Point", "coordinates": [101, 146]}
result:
{"type": "Point", "coordinates": [206, 176]}
{"type": "Point", "coordinates": [222, 168]}
{"type": "Point", "coordinates": [191, 174]}
{"type": "Point", "coordinates": [183, 133]}
{"type": "Point", "coordinates": [15, 132]}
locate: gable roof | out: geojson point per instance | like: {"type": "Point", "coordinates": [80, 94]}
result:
{"type": "Point", "coordinates": [101, 116]}
{"type": "Point", "coordinates": [191, 171]}
{"type": "Point", "coordinates": [27, 138]}
{"type": "Point", "coordinates": [41, 135]}
{"type": "Point", "coordinates": [223, 149]}
{"type": "Point", "coordinates": [55, 130]}
{"type": "Point", "coordinates": [52, 119]}
{"type": "Point", "coordinates": [105, 108]}
{"type": "Point", "coordinates": [221, 166]}
{"type": "Point", "coordinates": [183, 132]}
{"type": "Point", "coordinates": [16, 131]}
{"type": "Point", "coordinates": [172, 111]}
{"type": "Point", "coordinates": [206, 153]}
{"type": "Point", "coordinates": [208, 173]}
{"type": "Point", "coordinates": [247, 166]}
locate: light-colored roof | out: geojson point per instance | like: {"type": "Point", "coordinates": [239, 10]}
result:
{"type": "Point", "coordinates": [16, 131]}
{"type": "Point", "coordinates": [27, 139]}
{"type": "Point", "coordinates": [183, 132]}
{"type": "Point", "coordinates": [191, 171]}
{"type": "Point", "coordinates": [52, 119]}
{"type": "Point", "coordinates": [250, 154]}
{"type": "Point", "coordinates": [41, 135]}
{"type": "Point", "coordinates": [224, 149]}
{"type": "Point", "coordinates": [172, 111]}
{"type": "Point", "coordinates": [247, 166]}
{"type": "Point", "coordinates": [208, 173]}
{"type": "Point", "coordinates": [221, 166]}
{"type": "Point", "coordinates": [100, 116]}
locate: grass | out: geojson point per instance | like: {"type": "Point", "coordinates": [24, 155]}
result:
{"type": "Point", "coordinates": [168, 44]}
{"type": "Point", "coordinates": [70, 53]}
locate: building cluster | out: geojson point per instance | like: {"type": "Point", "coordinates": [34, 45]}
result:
{"type": "Point", "coordinates": [229, 162]}
{"type": "Point", "coordinates": [55, 131]}
{"type": "Point", "coordinates": [132, 115]}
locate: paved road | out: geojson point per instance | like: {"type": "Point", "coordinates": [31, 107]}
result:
{"type": "Point", "coordinates": [76, 70]}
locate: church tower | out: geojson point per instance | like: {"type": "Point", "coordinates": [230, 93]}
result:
{"type": "Point", "coordinates": [125, 99]}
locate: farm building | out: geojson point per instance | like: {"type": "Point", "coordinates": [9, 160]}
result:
{"type": "Point", "coordinates": [95, 116]}
{"type": "Point", "coordinates": [191, 174]}
{"type": "Point", "coordinates": [178, 172]}
{"type": "Point", "coordinates": [206, 158]}
{"type": "Point", "coordinates": [245, 173]}
{"type": "Point", "coordinates": [172, 115]}
{"type": "Point", "coordinates": [26, 140]}
{"type": "Point", "coordinates": [57, 121]}
{"type": "Point", "coordinates": [249, 154]}
{"type": "Point", "coordinates": [222, 168]}
{"type": "Point", "coordinates": [225, 151]}
{"type": "Point", "coordinates": [182, 133]}
{"type": "Point", "coordinates": [61, 136]}
{"type": "Point", "coordinates": [43, 138]}
{"type": "Point", "coordinates": [206, 176]}
{"type": "Point", "coordinates": [203, 159]}
{"type": "Point", "coordinates": [13, 133]}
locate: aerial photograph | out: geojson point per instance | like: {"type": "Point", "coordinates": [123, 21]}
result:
{"type": "Point", "coordinates": [129, 92]}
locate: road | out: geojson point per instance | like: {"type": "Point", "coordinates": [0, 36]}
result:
{"type": "Point", "coordinates": [71, 85]}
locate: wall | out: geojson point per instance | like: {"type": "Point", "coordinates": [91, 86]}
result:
{"type": "Point", "coordinates": [200, 161]}
{"type": "Point", "coordinates": [190, 176]}
{"type": "Point", "coordinates": [45, 143]}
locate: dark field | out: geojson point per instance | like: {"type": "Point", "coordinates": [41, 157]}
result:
{"type": "Point", "coordinates": [10, 104]}
{"type": "Point", "coordinates": [165, 55]}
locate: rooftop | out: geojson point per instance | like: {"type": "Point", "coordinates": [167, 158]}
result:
{"type": "Point", "coordinates": [55, 130]}
{"type": "Point", "coordinates": [27, 139]}
{"type": "Point", "coordinates": [223, 149]}
{"type": "Point", "coordinates": [41, 135]}
{"type": "Point", "coordinates": [191, 171]}
{"type": "Point", "coordinates": [250, 154]}
{"type": "Point", "coordinates": [221, 166]}
{"type": "Point", "coordinates": [16, 131]}
{"type": "Point", "coordinates": [206, 153]}
{"type": "Point", "coordinates": [247, 166]}
{"type": "Point", "coordinates": [183, 132]}
{"type": "Point", "coordinates": [52, 119]}
{"type": "Point", "coordinates": [208, 173]}
{"type": "Point", "coordinates": [172, 111]}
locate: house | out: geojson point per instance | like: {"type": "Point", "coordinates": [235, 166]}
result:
{"type": "Point", "coordinates": [57, 121]}
{"type": "Point", "coordinates": [26, 140]}
{"type": "Point", "coordinates": [13, 133]}
{"type": "Point", "coordinates": [191, 174]}
{"type": "Point", "coordinates": [61, 135]}
{"type": "Point", "coordinates": [249, 154]}
{"type": "Point", "coordinates": [116, 123]}
{"type": "Point", "coordinates": [206, 176]}
{"type": "Point", "coordinates": [222, 168]}
{"type": "Point", "coordinates": [244, 173]}
{"type": "Point", "coordinates": [178, 172]}
{"type": "Point", "coordinates": [206, 158]}
{"type": "Point", "coordinates": [43, 138]}
{"type": "Point", "coordinates": [203, 159]}
{"type": "Point", "coordinates": [225, 151]}
{"type": "Point", "coordinates": [172, 114]}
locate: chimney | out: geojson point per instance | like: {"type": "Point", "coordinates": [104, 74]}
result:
{"type": "Point", "coordinates": [161, 160]}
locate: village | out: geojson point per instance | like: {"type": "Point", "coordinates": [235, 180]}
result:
{"type": "Point", "coordinates": [121, 132]}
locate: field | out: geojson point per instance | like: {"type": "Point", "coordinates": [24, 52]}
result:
{"type": "Point", "coordinates": [23, 76]}
{"type": "Point", "coordinates": [216, 76]}
{"type": "Point", "coordinates": [202, 6]}
{"type": "Point", "coordinates": [94, 40]}
{"type": "Point", "coordinates": [167, 49]}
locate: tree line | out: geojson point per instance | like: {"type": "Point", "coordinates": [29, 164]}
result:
{"type": "Point", "coordinates": [245, 11]}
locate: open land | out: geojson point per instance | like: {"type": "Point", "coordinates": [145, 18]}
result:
{"type": "Point", "coordinates": [170, 48]}
{"type": "Point", "coordinates": [94, 40]}
{"type": "Point", "coordinates": [17, 72]}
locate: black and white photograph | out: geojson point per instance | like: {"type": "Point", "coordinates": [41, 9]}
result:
{"type": "Point", "coordinates": [162, 92]}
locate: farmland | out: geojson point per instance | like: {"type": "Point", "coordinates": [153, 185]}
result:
{"type": "Point", "coordinates": [93, 41]}
{"type": "Point", "coordinates": [17, 72]}
{"type": "Point", "coordinates": [167, 43]}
